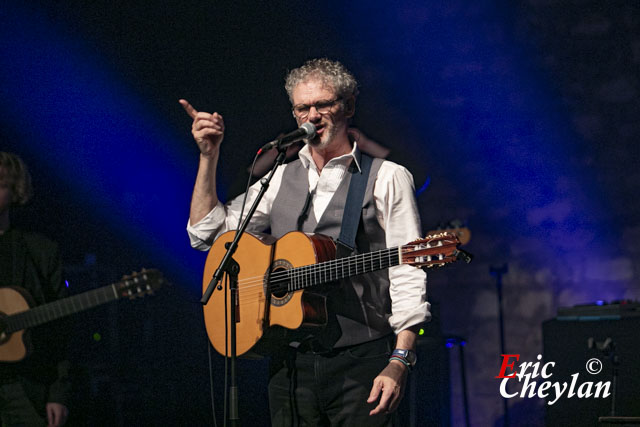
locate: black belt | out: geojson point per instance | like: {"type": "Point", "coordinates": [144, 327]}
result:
{"type": "Point", "coordinates": [313, 346]}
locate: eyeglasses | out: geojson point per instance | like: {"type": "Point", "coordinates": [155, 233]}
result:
{"type": "Point", "coordinates": [301, 111]}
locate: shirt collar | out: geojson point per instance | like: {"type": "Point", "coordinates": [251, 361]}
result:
{"type": "Point", "coordinates": [306, 159]}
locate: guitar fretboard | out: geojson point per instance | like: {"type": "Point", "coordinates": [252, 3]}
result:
{"type": "Point", "coordinates": [57, 309]}
{"type": "Point", "coordinates": [329, 271]}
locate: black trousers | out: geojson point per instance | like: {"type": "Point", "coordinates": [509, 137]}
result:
{"type": "Point", "coordinates": [327, 389]}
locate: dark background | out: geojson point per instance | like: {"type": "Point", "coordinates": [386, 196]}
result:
{"type": "Point", "coordinates": [518, 118]}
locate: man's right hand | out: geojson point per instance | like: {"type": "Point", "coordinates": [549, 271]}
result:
{"type": "Point", "coordinates": [207, 129]}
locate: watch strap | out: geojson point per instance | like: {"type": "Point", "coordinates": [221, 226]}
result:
{"type": "Point", "coordinates": [406, 357]}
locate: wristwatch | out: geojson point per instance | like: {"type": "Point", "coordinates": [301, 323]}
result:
{"type": "Point", "coordinates": [408, 356]}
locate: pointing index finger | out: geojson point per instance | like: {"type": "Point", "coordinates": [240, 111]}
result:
{"type": "Point", "coordinates": [188, 108]}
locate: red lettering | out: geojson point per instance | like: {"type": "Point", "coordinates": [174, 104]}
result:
{"type": "Point", "coordinates": [505, 365]}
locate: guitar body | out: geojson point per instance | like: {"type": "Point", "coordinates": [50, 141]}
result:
{"type": "Point", "coordinates": [261, 257]}
{"type": "Point", "coordinates": [13, 346]}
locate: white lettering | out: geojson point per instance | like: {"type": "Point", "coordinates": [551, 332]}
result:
{"type": "Point", "coordinates": [551, 391]}
{"type": "Point", "coordinates": [503, 389]}
{"type": "Point", "coordinates": [543, 387]}
{"type": "Point", "coordinates": [544, 369]}
{"type": "Point", "coordinates": [587, 392]}
{"type": "Point", "coordinates": [599, 386]}
{"type": "Point", "coordinates": [523, 369]}
{"type": "Point", "coordinates": [574, 380]}
{"type": "Point", "coordinates": [530, 386]}
{"type": "Point", "coordinates": [559, 392]}
{"type": "Point", "coordinates": [536, 366]}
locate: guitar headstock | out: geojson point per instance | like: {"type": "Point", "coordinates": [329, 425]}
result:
{"type": "Point", "coordinates": [140, 283]}
{"type": "Point", "coordinates": [435, 250]}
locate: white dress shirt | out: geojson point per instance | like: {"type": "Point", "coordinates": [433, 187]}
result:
{"type": "Point", "coordinates": [396, 211]}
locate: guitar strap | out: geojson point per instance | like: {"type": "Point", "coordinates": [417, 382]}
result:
{"type": "Point", "coordinates": [346, 243]}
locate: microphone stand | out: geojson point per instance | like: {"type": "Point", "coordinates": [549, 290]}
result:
{"type": "Point", "coordinates": [498, 272]}
{"type": "Point", "coordinates": [232, 268]}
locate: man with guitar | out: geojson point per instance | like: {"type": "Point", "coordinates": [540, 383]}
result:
{"type": "Point", "coordinates": [33, 391]}
{"type": "Point", "coordinates": [352, 371]}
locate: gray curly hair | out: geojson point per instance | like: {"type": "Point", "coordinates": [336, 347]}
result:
{"type": "Point", "coordinates": [331, 73]}
{"type": "Point", "coordinates": [15, 174]}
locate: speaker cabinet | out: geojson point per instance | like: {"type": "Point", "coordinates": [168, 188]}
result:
{"type": "Point", "coordinates": [427, 398]}
{"type": "Point", "coordinates": [571, 344]}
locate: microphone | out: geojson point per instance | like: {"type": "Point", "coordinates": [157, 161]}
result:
{"type": "Point", "coordinates": [306, 131]}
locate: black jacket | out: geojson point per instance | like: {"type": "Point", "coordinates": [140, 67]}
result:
{"type": "Point", "coordinates": [34, 264]}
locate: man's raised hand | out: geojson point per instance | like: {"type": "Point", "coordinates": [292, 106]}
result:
{"type": "Point", "coordinates": [207, 129]}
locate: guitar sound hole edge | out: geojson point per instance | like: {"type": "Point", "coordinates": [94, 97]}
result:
{"type": "Point", "coordinates": [279, 294]}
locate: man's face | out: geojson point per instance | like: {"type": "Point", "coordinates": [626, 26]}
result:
{"type": "Point", "coordinates": [329, 124]}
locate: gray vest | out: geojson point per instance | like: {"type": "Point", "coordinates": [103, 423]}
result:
{"type": "Point", "coordinates": [359, 307]}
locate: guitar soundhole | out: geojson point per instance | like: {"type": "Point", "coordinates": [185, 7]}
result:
{"type": "Point", "coordinates": [277, 282]}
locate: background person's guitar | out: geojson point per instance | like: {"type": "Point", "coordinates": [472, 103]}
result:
{"type": "Point", "coordinates": [273, 275]}
{"type": "Point", "coordinates": [16, 316]}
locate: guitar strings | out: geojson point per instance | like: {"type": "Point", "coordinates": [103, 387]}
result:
{"type": "Point", "coordinates": [250, 296]}
{"type": "Point", "coordinates": [258, 281]}
{"type": "Point", "coordinates": [307, 271]}
{"type": "Point", "coordinates": [280, 280]}
{"type": "Point", "coordinates": [251, 289]}
{"type": "Point", "coordinates": [313, 271]}
{"type": "Point", "coordinates": [44, 313]}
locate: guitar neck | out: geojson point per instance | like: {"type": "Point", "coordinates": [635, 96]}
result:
{"type": "Point", "coordinates": [341, 268]}
{"type": "Point", "coordinates": [61, 308]}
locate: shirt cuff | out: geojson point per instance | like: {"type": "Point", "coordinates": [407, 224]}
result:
{"type": "Point", "coordinates": [408, 318]}
{"type": "Point", "coordinates": [203, 233]}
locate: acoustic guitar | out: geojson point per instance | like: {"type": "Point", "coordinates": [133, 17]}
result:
{"type": "Point", "coordinates": [16, 316]}
{"type": "Point", "coordinates": [274, 274]}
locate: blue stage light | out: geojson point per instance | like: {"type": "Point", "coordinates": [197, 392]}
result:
{"type": "Point", "coordinates": [88, 123]}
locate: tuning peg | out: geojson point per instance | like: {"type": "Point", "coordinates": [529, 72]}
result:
{"type": "Point", "coordinates": [463, 255]}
